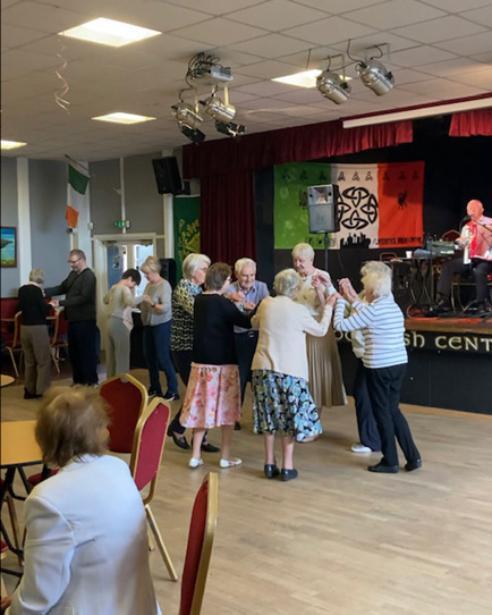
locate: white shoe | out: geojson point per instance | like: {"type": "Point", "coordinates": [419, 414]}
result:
{"type": "Point", "coordinates": [360, 448]}
{"type": "Point", "coordinates": [195, 463]}
{"type": "Point", "coordinates": [229, 463]}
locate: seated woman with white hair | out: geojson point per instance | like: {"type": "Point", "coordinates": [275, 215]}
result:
{"type": "Point", "coordinates": [282, 401]}
{"type": "Point", "coordinates": [325, 368]}
{"type": "Point", "coordinates": [385, 357]}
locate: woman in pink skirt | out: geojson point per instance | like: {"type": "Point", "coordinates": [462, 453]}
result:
{"type": "Point", "coordinates": [213, 396]}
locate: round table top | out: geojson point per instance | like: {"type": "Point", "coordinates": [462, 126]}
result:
{"type": "Point", "coordinates": [6, 380]}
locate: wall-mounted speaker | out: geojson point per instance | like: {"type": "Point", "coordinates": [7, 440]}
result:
{"type": "Point", "coordinates": [167, 175]}
{"type": "Point", "coordinates": [323, 208]}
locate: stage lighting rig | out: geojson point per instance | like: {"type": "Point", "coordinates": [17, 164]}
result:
{"type": "Point", "coordinates": [231, 129]}
{"type": "Point", "coordinates": [375, 76]}
{"type": "Point", "coordinates": [206, 69]}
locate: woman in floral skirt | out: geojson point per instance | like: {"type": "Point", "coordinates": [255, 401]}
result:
{"type": "Point", "coordinates": [282, 401]}
{"type": "Point", "coordinates": [213, 394]}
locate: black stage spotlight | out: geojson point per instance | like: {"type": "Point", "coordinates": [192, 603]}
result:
{"type": "Point", "coordinates": [231, 129]}
{"type": "Point", "coordinates": [193, 134]}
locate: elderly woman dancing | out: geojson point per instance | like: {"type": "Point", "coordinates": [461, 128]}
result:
{"type": "Point", "coordinates": [325, 369]}
{"type": "Point", "coordinates": [384, 359]}
{"type": "Point", "coordinates": [282, 401]}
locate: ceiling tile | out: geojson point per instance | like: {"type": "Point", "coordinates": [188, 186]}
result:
{"type": "Point", "coordinates": [334, 7]}
{"type": "Point", "coordinates": [277, 15]}
{"type": "Point", "coordinates": [456, 6]}
{"type": "Point", "coordinates": [481, 16]}
{"type": "Point", "coordinates": [394, 13]}
{"type": "Point", "coordinates": [215, 7]}
{"type": "Point", "coordinates": [39, 17]}
{"type": "Point", "coordinates": [332, 30]}
{"type": "Point", "coordinates": [219, 32]}
{"type": "Point", "coordinates": [360, 43]}
{"type": "Point", "coordinates": [419, 56]}
{"type": "Point", "coordinates": [456, 66]}
{"type": "Point", "coordinates": [468, 45]}
{"type": "Point", "coordinates": [13, 36]}
{"type": "Point", "coordinates": [265, 88]}
{"type": "Point", "coordinates": [272, 45]}
{"type": "Point", "coordinates": [440, 29]}
{"type": "Point", "coordinates": [267, 69]}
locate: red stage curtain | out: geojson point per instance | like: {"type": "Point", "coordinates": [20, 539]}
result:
{"type": "Point", "coordinates": [227, 216]}
{"type": "Point", "coordinates": [471, 123]}
{"type": "Point", "coordinates": [296, 144]}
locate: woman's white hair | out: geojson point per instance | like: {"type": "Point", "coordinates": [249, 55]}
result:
{"type": "Point", "coordinates": [36, 275]}
{"type": "Point", "coordinates": [378, 282]}
{"type": "Point", "coordinates": [193, 262]}
{"type": "Point", "coordinates": [375, 266]}
{"type": "Point", "coordinates": [303, 250]}
{"type": "Point", "coordinates": [287, 282]}
{"type": "Point", "coordinates": [241, 263]}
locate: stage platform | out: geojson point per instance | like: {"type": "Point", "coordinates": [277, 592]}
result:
{"type": "Point", "coordinates": [449, 363]}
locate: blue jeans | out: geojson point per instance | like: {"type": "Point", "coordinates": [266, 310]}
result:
{"type": "Point", "coordinates": [157, 352]}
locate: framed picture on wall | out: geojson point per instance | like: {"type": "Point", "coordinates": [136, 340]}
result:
{"type": "Point", "coordinates": [8, 250]}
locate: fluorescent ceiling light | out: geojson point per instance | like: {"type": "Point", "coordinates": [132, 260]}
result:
{"type": "Point", "coordinates": [413, 114]}
{"type": "Point", "coordinates": [12, 144]}
{"type": "Point", "coordinates": [109, 32]}
{"type": "Point", "coordinates": [305, 79]}
{"type": "Point", "coordinates": [123, 118]}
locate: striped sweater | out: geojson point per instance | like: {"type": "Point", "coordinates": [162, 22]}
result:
{"type": "Point", "coordinates": [382, 325]}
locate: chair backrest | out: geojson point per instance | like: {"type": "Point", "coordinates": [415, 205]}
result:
{"type": "Point", "coordinates": [387, 256]}
{"type": "Point", "coordinates": [199, 548]}
{"type": "Point", "coordinates": [127, 398]}
{"type": "Point", "coordinates": [60, 329]}
{"type": "Point", "coordinates": [148, 445]}
{"type": "Point", "coordinates": [15, 342]}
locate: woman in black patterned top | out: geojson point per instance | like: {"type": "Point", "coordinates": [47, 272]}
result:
{"type": "Point", "coordinates": [194, 270]}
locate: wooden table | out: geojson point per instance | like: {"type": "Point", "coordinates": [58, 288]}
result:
{"type": "Point", "coordinates": [6, 380]}
{"type": "Point", "coordinates": [18, 444]}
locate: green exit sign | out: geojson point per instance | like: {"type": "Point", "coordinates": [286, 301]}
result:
{"type": "Point", "coordinates": [121, 223]}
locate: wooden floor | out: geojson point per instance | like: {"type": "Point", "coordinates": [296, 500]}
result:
{"type": "Point", "coordinates": [339, 540]}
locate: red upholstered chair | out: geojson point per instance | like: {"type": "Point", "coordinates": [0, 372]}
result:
{"type": "Point", "coordinates": [127, 398]}
{"type": "Point", "coordinates": [199, 549]}
{"type": "Point", "coordinates": [145, 462]}
{"type": "Point", "coordinates": [11, 338]}
{"type": "Point", "coordinates": [450, 235]}
{"type": "Point", "coordinates": [59, 338]}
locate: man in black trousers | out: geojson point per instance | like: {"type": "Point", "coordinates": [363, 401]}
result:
{"type": "Point", "coordinates": [79, 289]}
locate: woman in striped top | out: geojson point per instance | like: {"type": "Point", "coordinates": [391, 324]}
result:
{"type": "Point", "coordinates": [385, 358]}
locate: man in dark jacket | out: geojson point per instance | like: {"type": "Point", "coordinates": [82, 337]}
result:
{"type": "Point", "coordinates": [79, 289]}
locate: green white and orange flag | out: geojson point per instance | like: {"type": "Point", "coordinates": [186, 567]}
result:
{"type": "Point", "coordinates": [78, 180]}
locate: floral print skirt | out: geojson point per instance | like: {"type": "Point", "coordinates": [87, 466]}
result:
{"type": "Point", "coordinates": [283, 403]}
{"type": "Point", "coordinates": [212, 397]}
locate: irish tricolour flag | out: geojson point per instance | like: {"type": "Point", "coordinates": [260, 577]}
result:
{"type": "Point", "coordinates": [78, 179]}
{"type": "Point", "coordinates": [380, 205]}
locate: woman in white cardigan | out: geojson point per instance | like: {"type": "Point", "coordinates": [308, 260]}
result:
{"type": "Point", "coordinates": [86, 550]}
{"type": "Point", "coordinates": [282, 401]}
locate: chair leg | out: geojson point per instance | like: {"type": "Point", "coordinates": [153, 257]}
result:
{"type": "Point", "coordinates": [160, 544]}
{"type": "Point", "coordinates": [15, 526]}
{"type": "Point", "coordinates": [14, 364]}
{"type": "Point", "coordinates": [54, 358]}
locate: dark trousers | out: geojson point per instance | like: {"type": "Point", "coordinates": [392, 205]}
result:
{"type": "Point", "coordinates": [245, 351]}
{"type": "Point", "coordinates": [366, 423]}
{"type": "Point", "coordinates": [182, 360]}
{"type": "Point", "coordinates": [478, 267]}
{"type": "Point", "coordinates": [157, 352]}
{"type": "Point", "coordinates": [384, 386]}
{"type": "Point", "coordinates": [82, 350]}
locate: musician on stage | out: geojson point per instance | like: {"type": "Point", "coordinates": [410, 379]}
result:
{"type": "Point", "coordinates": [476, 241]}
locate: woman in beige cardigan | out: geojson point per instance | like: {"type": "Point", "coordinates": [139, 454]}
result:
{"type": "Point", "coordinates": [282, 401]}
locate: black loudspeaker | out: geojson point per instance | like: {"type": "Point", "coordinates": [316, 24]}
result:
{"type": "Point", "coordinates": [323, 209]}
{"type": "Point", "coordinates": [168, 270]}
{"type": "Point", "coordinates": [167, 175]}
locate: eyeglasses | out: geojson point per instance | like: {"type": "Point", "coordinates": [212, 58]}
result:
{"type": "Point", "coordinates": [73, 262]}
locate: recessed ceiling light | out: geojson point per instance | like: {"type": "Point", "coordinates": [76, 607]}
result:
{"type": "Point", "coordinates": [123, 118]}
{"type": "Point", "coordinates": [305, 79]}
{"type": "Point", "coordinates": [12, 144]}
{"type": "Point", "coordinates": [109, 32]}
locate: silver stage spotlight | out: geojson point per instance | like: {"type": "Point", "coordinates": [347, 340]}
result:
{"type": "Point", "coordinates": [219, 110]}
{"type": "Point", "coordinates": [332, 86]}
{"type": "Point", "coordinates": [183, 112]}
{"type": "Point", "coordinates": [231, 129]}
{"type": "Point", "coordinates": [375, 76]}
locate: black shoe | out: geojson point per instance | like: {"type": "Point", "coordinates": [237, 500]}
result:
{"type": "Point", "coordinates": [384, 468]}
{"type": "Point", "coordinates": [28, 395]}
{"type": "Point", "coordinates": [288, 474]}
{"type": "Point", "coordinates": [271, 470]}
{"type": "Point", "coordinates": [410, 466]}
{"type": "Point", "coordinates": [152, 392]}
{"type": "Point", "coordinates": [209, 448]}
{"type": "Point", "coordinates": [179, 439]}
{"type": "Point", "coordinates": [237, 426]}
{"type": "Point", "coordinates": [170, 396]}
